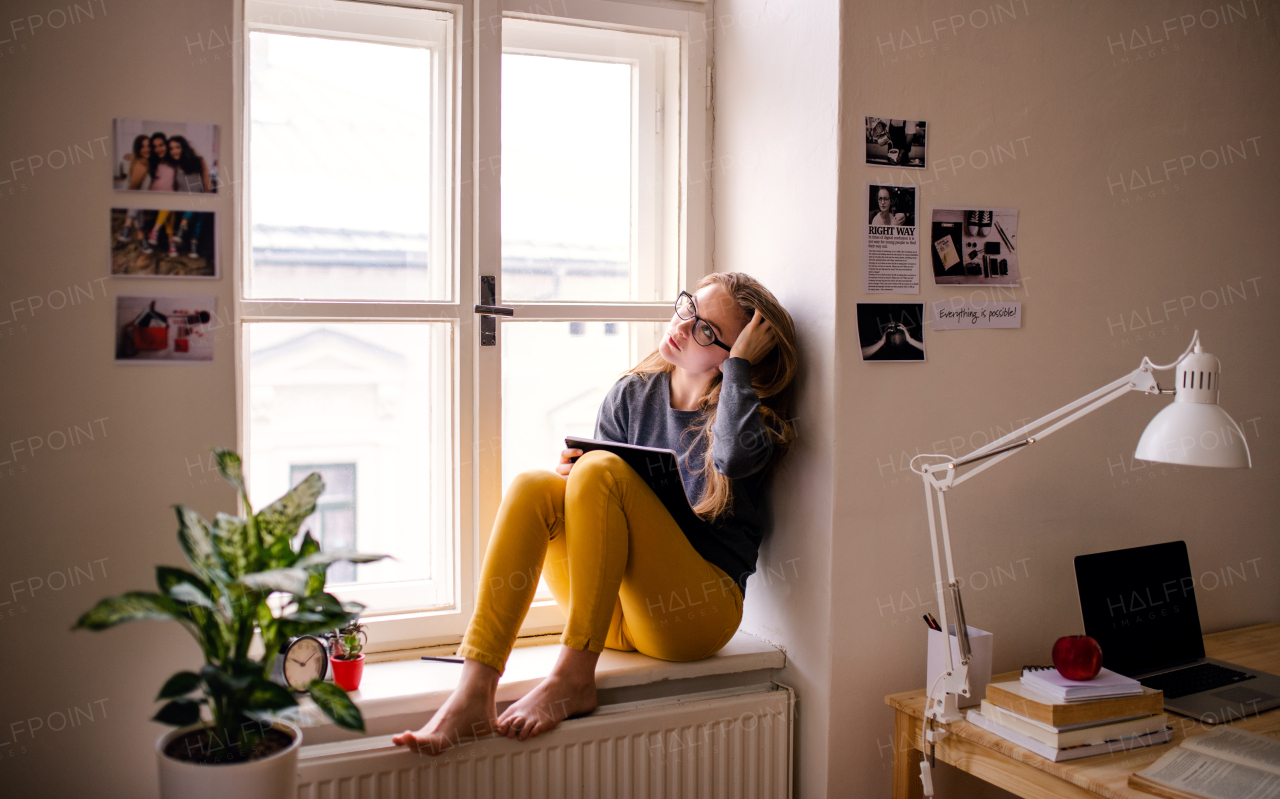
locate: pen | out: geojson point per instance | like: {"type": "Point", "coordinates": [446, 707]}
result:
{"type": "Point", "coordinates": [443, 659]}
{"type": "Point", "coordinates": [933, 622]}
{"type": "Point", "coordinates": [1007, 243]}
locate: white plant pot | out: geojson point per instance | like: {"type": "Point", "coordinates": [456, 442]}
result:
{"type": "Point", "coordinates": [274, 777]}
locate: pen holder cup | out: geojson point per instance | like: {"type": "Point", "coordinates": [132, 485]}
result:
{"type": "Point", "coordinates": [979, 663]}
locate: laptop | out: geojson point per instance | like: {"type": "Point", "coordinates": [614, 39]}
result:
{"type": "Point", "coordinates": [1140, 606]}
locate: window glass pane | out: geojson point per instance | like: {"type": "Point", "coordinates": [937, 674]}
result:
{"type": "Point", "coordinates": [566, 179]}
{"type": "Point", "coordinates": [347, 193]}
{"type": "Point", "coordinates": [368, 407]}
{"type": "Point", "coordinates": [554, 376]}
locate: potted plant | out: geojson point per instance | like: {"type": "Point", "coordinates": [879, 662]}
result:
{"type": "Point", "coordinates": [230, 739]}
{"type": "Point", "coordinates": [347, 659]}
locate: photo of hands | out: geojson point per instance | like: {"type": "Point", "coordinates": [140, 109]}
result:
{"type": "Point", "coordinates": [975, 247]}
{"type": "Point", "coordinates": [891, 331]}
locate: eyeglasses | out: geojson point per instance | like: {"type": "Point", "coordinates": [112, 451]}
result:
{"type": "Point", "coordinates": [703, 332]}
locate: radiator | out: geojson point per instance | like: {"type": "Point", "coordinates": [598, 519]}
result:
{"type": "Point", "coordinates": [730, 744]}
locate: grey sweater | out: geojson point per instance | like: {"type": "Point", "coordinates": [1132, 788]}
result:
{"type": "Point", "coordinates": [637, 410]}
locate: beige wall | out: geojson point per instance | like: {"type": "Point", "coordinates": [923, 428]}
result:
{"type": "Point", "coordinates": [786, 73]}
{"type": "Point", "coordinates": [102, 505]}
{"type": "Point", "coordinates": [1055, 77]}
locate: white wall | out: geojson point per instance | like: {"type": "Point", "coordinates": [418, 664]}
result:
{"type": "Point", "coordinates": [1054, 78]}
{"type": "Point", "coordinates": [102, 504]}
{"type": "Point", "coordinates": [774, 187]}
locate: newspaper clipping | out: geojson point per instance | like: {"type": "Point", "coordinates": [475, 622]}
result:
{"type": "Point", "coordinates": [893, 243]}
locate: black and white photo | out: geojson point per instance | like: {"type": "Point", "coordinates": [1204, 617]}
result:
{"type": "Point", "coordinates": [892, 205]}
{"type": "Point", "coordinates": [891, 331]}
{"type": "Point", "coordinates": [974, 246]}
{"type": "Point", "coordinates": [893, 240]}
{"type": "Point", "coordinates": [896, 142]}
{"type": "Point", "coordinates": [165, 156]}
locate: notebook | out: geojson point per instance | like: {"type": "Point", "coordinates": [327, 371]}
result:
{"type": "Point", "coordinates": [1049, 681]}
{"type": "Point", "coordinates": [658, 467]}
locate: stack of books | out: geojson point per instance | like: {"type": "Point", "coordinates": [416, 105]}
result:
{"type": "Point", "coordinates": [1061, 719]}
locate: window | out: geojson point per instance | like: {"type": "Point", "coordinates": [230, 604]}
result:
{"type": "Point", "coordinates": [392, 154]}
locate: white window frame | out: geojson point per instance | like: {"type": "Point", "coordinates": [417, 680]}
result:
{"type": "Point", "coordinates": [476, 249]}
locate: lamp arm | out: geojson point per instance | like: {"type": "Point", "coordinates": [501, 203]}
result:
{"type": "Point", "coordinates": [1141, 379]}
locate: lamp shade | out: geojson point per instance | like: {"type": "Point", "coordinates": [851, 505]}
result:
{"type": "Point", "coordinates": [1194, 430]}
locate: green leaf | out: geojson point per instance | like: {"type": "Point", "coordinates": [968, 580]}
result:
{"type": "Point", "coordinates": [320, 603]}
{"type": "Point", "coordinates": [234, 545]}
{"type": "Point", "coordinates": [167, 577]}
{"type": "Point", "coordinates": [336, 705]}
{"type": "Point", "coordinates": [220, 682]}
{"type": "Point", "coordinates": [290, 581]}
{"type": "Point", "coordinates": [279, 521]}
{"type": "Point", "coordinates": [180, 684]}
{"type": "Point", "coordinates": [265, 695]}
{"type": "Point", "coordinates": [230, 467]}
{"type": "Point", "coordinates": [327, 558]}
{"type": "Point", "coordinates": [309, 546]}
{"type": "Point", "coordinates": [188, 593]}
{"type": "Point", "coordinates": [197, 545]}
{"type": "Point", "coordinates": [132, 606]}
{"type": "Point", "coordinates": [179, 713]}
{"type": "Point", "coordinates": [292, 628]}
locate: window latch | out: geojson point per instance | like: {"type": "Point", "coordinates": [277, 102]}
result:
{"type": "Point", "coordinates": [489, 311]}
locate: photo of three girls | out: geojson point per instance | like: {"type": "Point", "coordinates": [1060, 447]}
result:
{"type": "Point", "coordinates": [173, 156]}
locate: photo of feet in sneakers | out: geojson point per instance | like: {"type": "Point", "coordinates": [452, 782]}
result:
{"type": "Point", "coordinates": [163, 243]}
{"type": "Point", "coordinates": [895, 142]}
{"type": "Point", "coordinates": [975, 247]}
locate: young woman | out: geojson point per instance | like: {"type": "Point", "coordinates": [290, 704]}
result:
{"type": "Point", "coordinates": [192, 173]}
{"type": "Point", "coordinates": [886, 215]}
{"type": "Point", "coordinates": [139, 163]}
{"type": "Point", "coordinates": [718, 392]}
{"type": "Point", "coordinates": [162, 168]}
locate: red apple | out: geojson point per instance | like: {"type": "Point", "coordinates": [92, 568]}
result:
{"type": "Point", "coordinates": [1077, 657]}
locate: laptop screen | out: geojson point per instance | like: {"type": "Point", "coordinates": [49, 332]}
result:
{"type": "Point", "coordinates": [1140, 606]}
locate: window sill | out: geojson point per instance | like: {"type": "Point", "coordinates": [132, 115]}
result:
{"type": "Point", "coordinates": [402, 694]}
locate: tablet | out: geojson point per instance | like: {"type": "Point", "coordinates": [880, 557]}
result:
{"type": "Point", "coordinates": [657, 467]}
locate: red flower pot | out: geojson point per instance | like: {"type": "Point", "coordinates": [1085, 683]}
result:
{"type": "Point", "coordinates": [347, 673]}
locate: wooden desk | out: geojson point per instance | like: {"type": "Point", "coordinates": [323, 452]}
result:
{"type": "Point", "coordinates": [999, 762]}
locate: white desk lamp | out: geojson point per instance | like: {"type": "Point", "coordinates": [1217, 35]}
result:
{"type": "Point", "coordinates": [1192, 431]}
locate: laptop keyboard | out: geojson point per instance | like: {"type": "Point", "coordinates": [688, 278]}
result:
{"type": "Point", "coordinates": [1193, 680]}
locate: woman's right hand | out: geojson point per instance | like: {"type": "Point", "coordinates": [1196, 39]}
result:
{"type": "Point", "coordinates": [565, 463]}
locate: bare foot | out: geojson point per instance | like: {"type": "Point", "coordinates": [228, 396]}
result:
{"type": "Point", "coordinates": [468, 713]}
{"type": "Point", "coordinates": [556, 698]}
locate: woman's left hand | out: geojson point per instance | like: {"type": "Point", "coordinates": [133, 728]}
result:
{"type": "Point", "coordinates": [754, 342]}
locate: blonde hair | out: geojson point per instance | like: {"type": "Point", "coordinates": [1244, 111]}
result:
{"type": "Point", "coordinates": [772, 378]}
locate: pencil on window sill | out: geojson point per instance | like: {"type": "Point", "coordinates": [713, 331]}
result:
{"type": "Point", "coordinates": [443, 659]}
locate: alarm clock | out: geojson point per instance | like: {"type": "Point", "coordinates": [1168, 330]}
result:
{"type": "Point", "coordinates": [305, 658]}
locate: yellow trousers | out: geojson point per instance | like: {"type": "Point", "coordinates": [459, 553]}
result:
{"type": "Point", "coordinates": [617, 564]}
